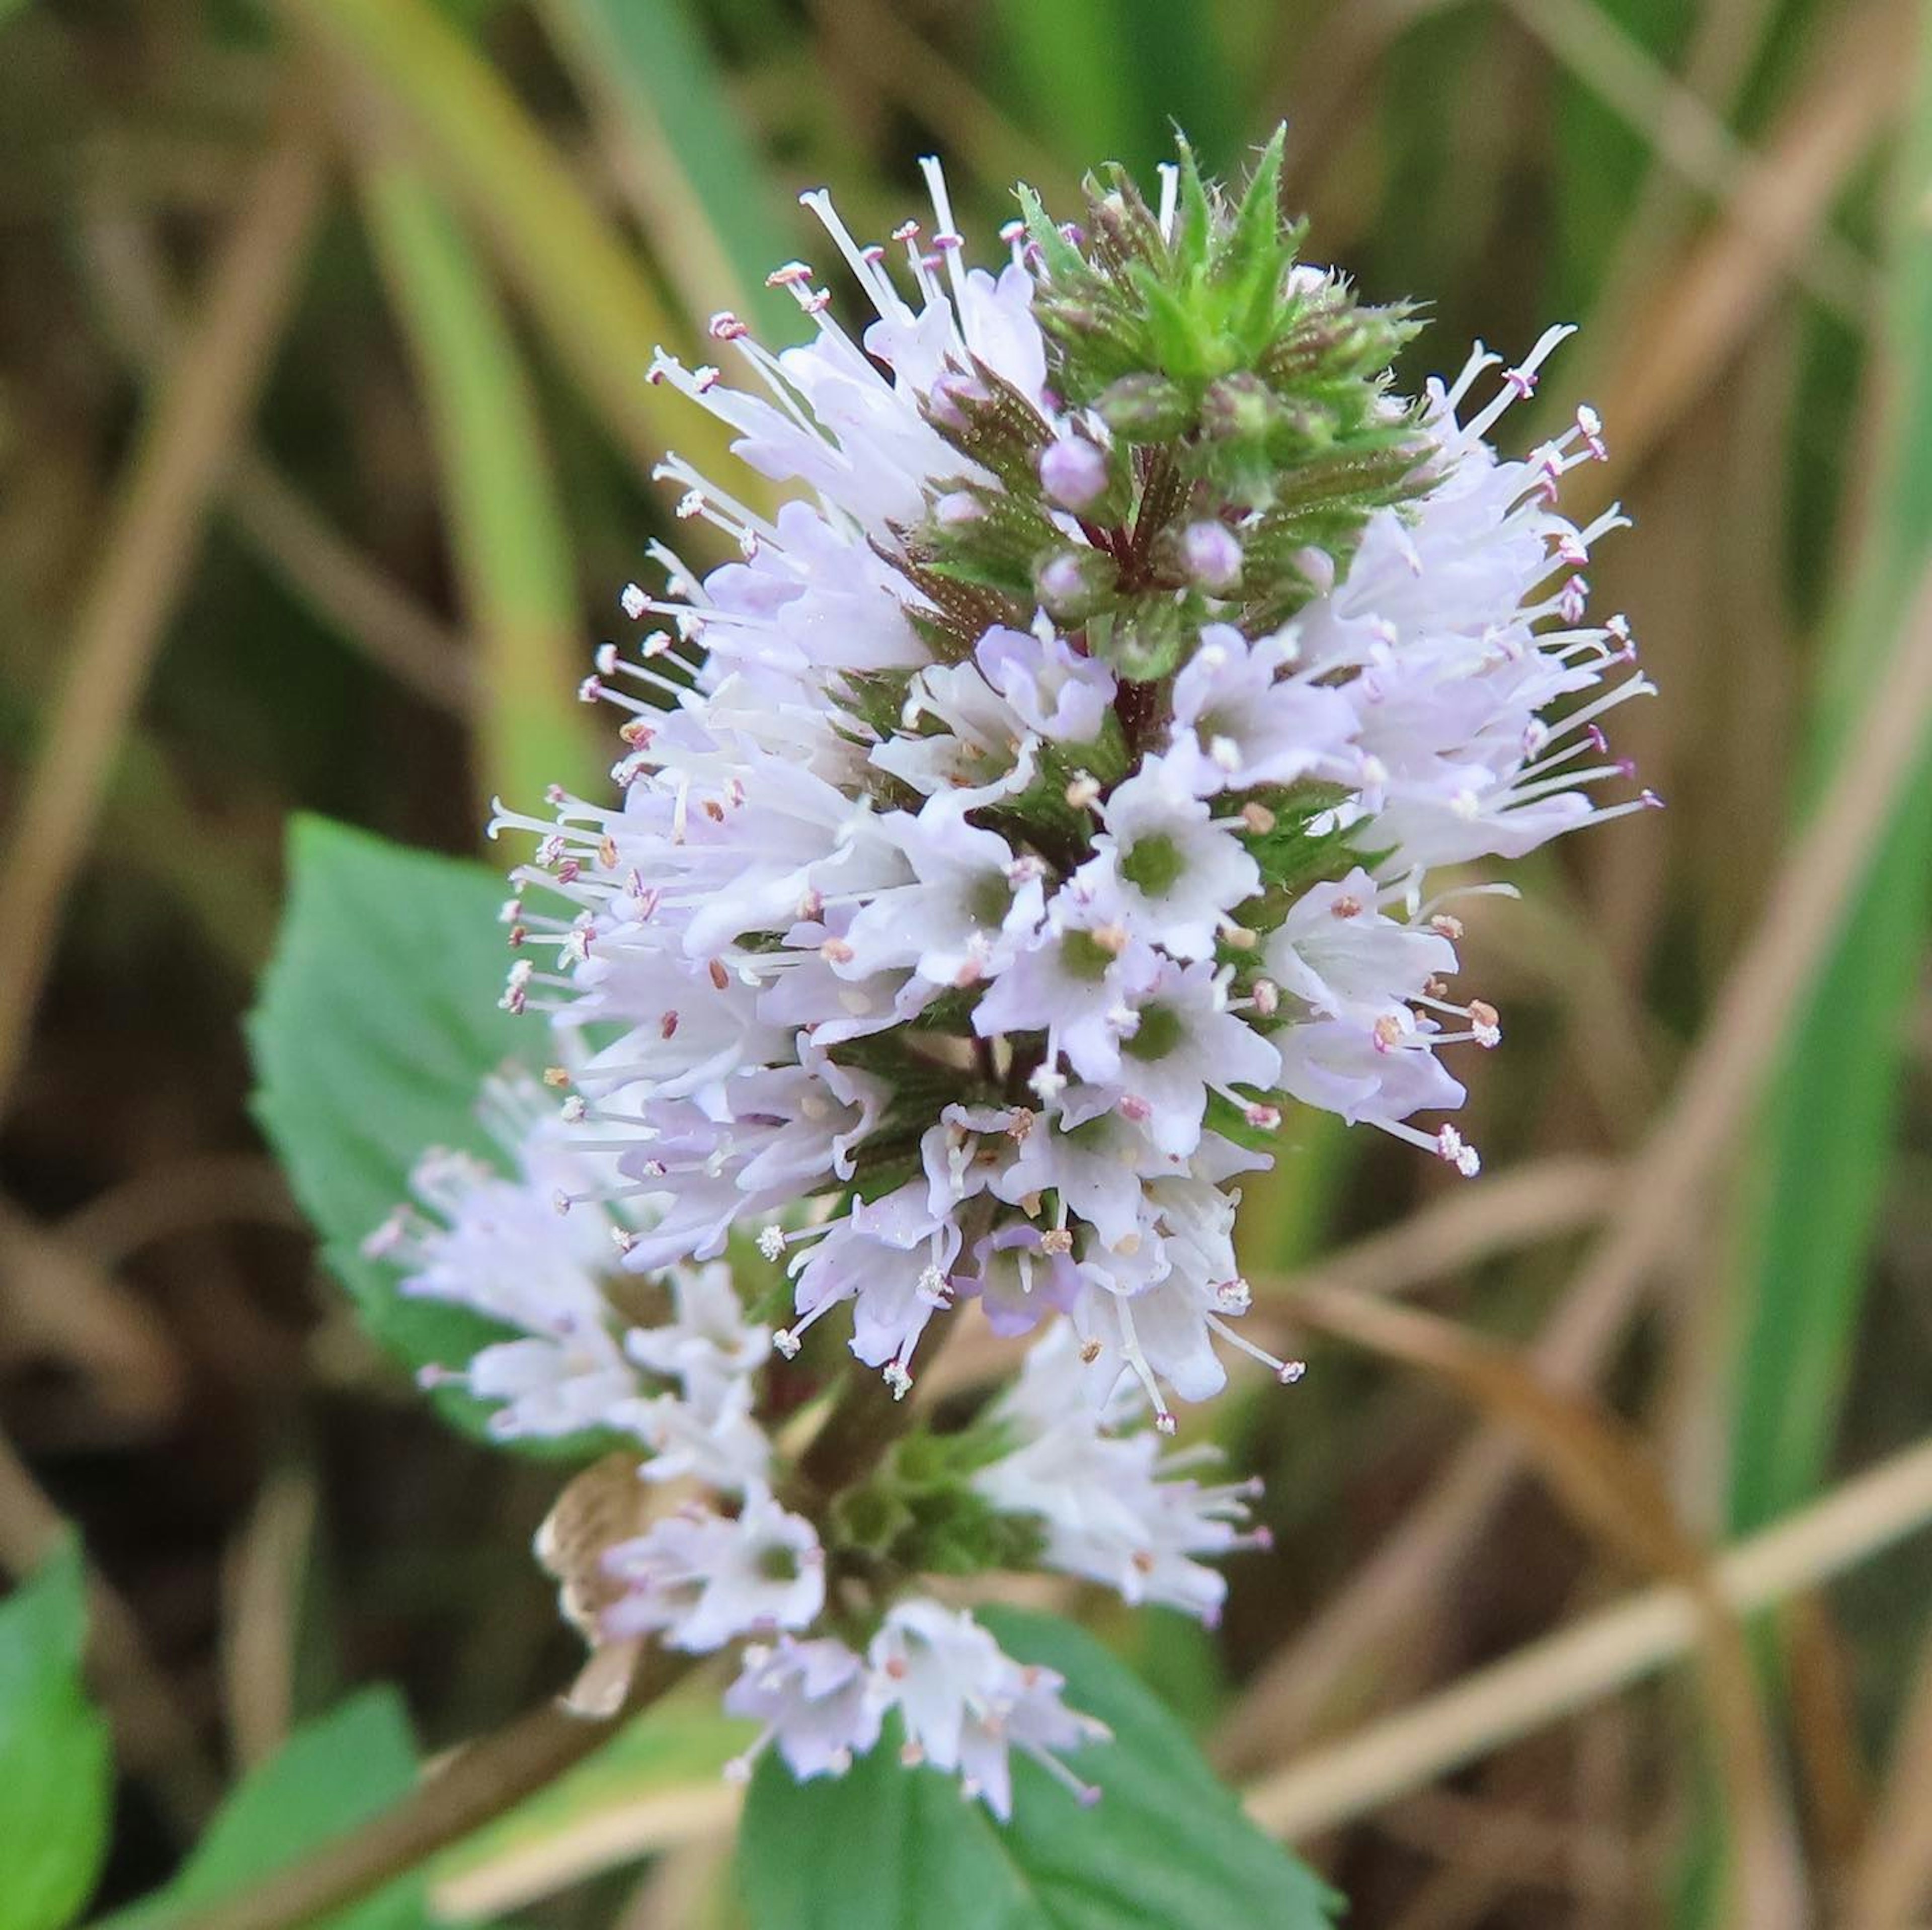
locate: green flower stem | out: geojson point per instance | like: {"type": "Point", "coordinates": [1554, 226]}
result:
{"type": "Point", "coordinates": [864, 1422]}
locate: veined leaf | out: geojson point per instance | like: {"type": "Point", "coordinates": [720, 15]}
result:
{"type": "Point", "coordinates": [377, 1024]}
{"type": "Point", "coordinates": [1166, 1847]}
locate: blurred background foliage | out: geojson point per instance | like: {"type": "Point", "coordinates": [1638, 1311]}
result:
{"type": "Point", "coordinates": [324, 448]}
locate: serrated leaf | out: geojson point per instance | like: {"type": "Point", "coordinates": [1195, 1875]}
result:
{"type": "Point", "coordinates": [377, 1023]}
{"type": "Point", "coordinates": [1166, 1848]}
{"type": "Point", "coordinates": [56, 1764]}
{"type": "Point", "coordinates": [330, 1776]}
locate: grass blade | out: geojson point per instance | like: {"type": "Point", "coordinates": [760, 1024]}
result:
{"type": "Point", "coordinates": [1825, 1155]}
{"type": "Point", "coordinates": [506, 527]}
{"type": "Point", "coordinates": [703, 188]}
{"type": "Point", "coordinates": [1111, 79]}
{"type": "Point", "coordinates": [599, 306]}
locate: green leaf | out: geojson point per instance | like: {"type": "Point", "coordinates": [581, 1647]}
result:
{"type": "Point", "coordinates": [377, 1023]}
{"type": "Point", "coordinates": [614, 1809]}
{"type": "Point", "coordinates": [1166, 1848]}
{"type": "Point", "coordinates": [330, 1776]}
{"type": "Point", "coordinates": [56, 1763]}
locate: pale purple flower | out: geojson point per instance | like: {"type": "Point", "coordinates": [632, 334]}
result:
{"type": "Point", "coordinates": [817, 1703]}
{"type": "Point", "coordinates": [965, 1704]}
{"type": "Point", "coordinates": [1250, 723]}
{"type": "Point", "coordinates": [1173, 873]}
{"type": "Point", "coordinates": [698, 1579]}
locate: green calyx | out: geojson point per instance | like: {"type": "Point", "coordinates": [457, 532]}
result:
{"type": "Point", "coordinates": [1241, 389]}
{"type": "Point", "coordinates": [918, 1511]}
{"type": "Point", "coordinates": [1214, 336]}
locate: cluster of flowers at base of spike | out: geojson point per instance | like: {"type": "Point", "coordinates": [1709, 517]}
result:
{"type": "Point", "coordinates": [672, 1364]}
{"type": "Point", "coordinates": [1041, 805]}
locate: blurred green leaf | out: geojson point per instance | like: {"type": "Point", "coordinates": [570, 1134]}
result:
{"type": "Point", "coordinates": [578, 1826]}
{"type": "Point", "coordinates": [506, 526]}
{"type": "Point", "coordinates": [1111, 80]}
{"type": "Point", "coordinates": [594, 299]}
{"type": "Point", "coordinates": [377, 1023]}
{"type": "Point", "coordinates": [56, 1761]}
{"type": "Point", "coordinates": [708, 178]}
{"type": "Point", "coordinates": [332, 1774]}
{"type": "Point", "coordinates": [1166, 1848]}
{"type": "Point", "coordinates": [1826, 1152]}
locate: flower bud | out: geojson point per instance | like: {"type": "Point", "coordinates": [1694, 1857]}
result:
{"type": "Point", "coordinates": [1211, 556]}
{"type": "Point", "coordinates": [1073, 584]}
{"type": "Point", "coordinates": [1073, 472]}
{"type": "Point", "coordinates": [1146, 408]}
{"type": "Point", "coordinates": [1238, 408]}
{"type": "Point", "coordinates": [957, 509]}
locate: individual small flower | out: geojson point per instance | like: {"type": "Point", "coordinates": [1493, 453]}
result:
{"type": "Point", "coordinates": [698, 1578]}
{"type": "Point", "coordinates": [1054, 689]}
{"type": "Point", "coordinates": [1019, 1278]}
{"type": "Point", "coordinates": [1118, 1507]}
{"type": "Point", "coordinates": [965, 1704]}
{"type": "Point", "coordinates": [498, 1245]}
{"type": "Point", "coordinates": [1184, 1045]}
{"type": "Point", "coordinates": [1076, 980]}
{"type": "Point", "coordinates": [708, 1344]}
{"type": "Point", "coordinates": [816, 1700]}
{"type": "Point", "coordinates": [971, 904]}
{"type": "Point", "coordinates": [1337, 951]}
{"type": "Point", "coordinates": [1250, 725]}
{"type": "Point", "coordinates": [1173, 872]}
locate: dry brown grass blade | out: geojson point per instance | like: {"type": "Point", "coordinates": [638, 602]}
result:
{"type": "Point", "coordinates": [1688, 135]}
{"type": "Point", "coordinates": [56, 1299]}
{"type": "Point", "coordinates": [1594, 1657]}
{"type": "Point", "coordinates": [1663, 1184]}
{"type": "Point", "coordinates": [1700, 313]}
{"type": "Point", "coordinates": [1513, 1210]}
{"type": "Point", "coordinates": [699, 1812]}
{"type": "Point", "coordinates": [347, 591]}
{"type": "Point", "coordinates": [350, 593]}
{"type": "Point", "coordinates": [262, 1588]}
{"type": "Point", "coordinates": [151, 540]}
{"type": "Point", "coordinates": [1602, 1472]}
{"type": "Point", "coordinates": [1510, 1210]}
{"type": "Point", "coordinates": [183, 1196]}
{"type": "Point", "coordinates": [1890, 1885]}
